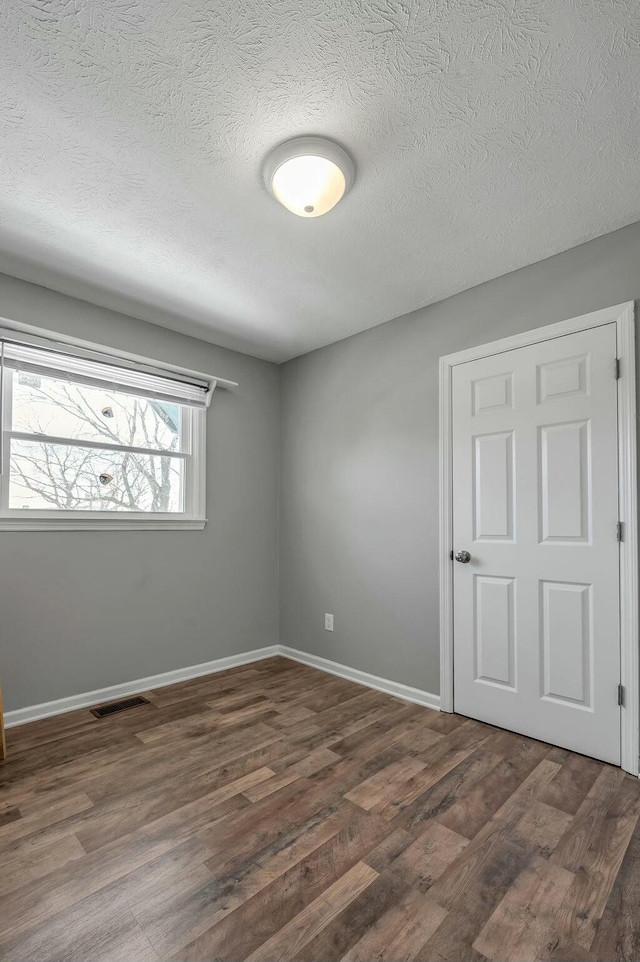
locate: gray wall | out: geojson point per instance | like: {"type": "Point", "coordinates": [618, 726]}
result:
{"type": "Point", "coordinates": [358, 505]}
{"type": "Point", "coordinates": [359, 459]}
{"type": "Point", "coordinates": [84, 610]}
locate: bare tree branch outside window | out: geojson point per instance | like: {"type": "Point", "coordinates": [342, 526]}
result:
{"type": "Point", "coordinates": [54, 475]}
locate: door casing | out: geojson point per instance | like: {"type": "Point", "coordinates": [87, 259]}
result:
{"type": "Point", "coordinates": [622, 315]}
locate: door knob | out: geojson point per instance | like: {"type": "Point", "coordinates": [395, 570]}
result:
{"type": "Point", "coordinates": [463, 557]}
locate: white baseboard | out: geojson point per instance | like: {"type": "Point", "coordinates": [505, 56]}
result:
{"type": "Point", "coordinates": [406, 692]}
{"type": "Point", "coordinates": [88, 698]}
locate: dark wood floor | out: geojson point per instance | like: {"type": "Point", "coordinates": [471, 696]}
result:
{"type": "Point", "coordinates": [274, 812]}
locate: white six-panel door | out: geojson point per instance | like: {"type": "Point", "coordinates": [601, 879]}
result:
{"type": "Point", "coordinates": [535, 503]}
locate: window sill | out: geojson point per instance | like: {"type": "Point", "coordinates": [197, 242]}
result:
{"type": "Point", "coordinates": [101, 524]}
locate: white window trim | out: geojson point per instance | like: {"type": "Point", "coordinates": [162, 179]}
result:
{"type": "Point", "coordinates": [622, 315]}
{"type": "Point", "coordinates": [194, 516]}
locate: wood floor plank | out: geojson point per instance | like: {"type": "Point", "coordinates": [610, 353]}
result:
{"type": "Point", "coordinates": [235, 701]}
{"type": "Point", "coordinates": [71, 882]}
{"type": "Point", "coordinates": [376, 737]}
{"type": "Point", "coordinates": [618, 933]}
{"type": "Point", "coordinates": [355, 920]}
{"type": "Point", "coordinates": [125, 775]}
{"type": "Point", "coordinates": [36, 772]}
{"type": "Point", "coordinates": [579, 913]}
{"type": "Point", "coordinates": [204, 724]}
{"type": "Point", "coordinates": [381, 857]}
{"type": "Point", "coordinates": [471, 812]}
{"type": "Point", "coordinates": [519, 927]}
{"type": "Point", "coordinates": [339, 725]}
{"type": "Point", "coordinates": [315, 761]}
{"type": "Point", "coordinates": [122, 816]}
{"type": "Point", "coordinates": [276, 812]}
{"type": "Point", "coordinates": [541, 826]}
{"type": "Point", "coordinates": [285, 945]}
{"type": "Point", "coordinates": [447, 793]}
{"type": "Point", "coordinates": [158, 884]}
{"type": "Point", "coordinates": [471, 894]}
{"type": "Point", "coordinates": [400, 932]}
{"type": "Point", "coordinates": [288, 715]}
{"type": "Point", "coordinates": [90, 930]}
{"type": "Point", "coordinates": [424, 861]}
{"type": "Point", "coordinates": [481, 850]}
{"type": "Point", "coordinates": [37, 818]}
{"type": "Point", "coordinates": [8, 814]}
{"type": "Point", "coordinates": [413, 737]}
{"type": "Point", "coordinates": [443, 722]}
{"type": "Point", "coordinates": [399, 798]}
{"type": "Point", "coordinates": [271, 785]}
{"type": "Point", "coordinates": [306, 761]}
{"type": "Point", "coordinates": [569, 788]}
{"type": "Point", "coordinates": [341, 778]}
{"type": "Point", "coordinates": [31, 859]}
{"type": "Point", "coordinates": [241, 836]}
{"type": "Point", "coordinates": [258, 900]}
{"type": "Point", "coordinates": [560, 950]}
{"type": "Point", "coordinates": [327, 696]}
{"type": "Point", "coordinates": [588, 820]}
{"type": "Point", "coordinates": [380, 787]}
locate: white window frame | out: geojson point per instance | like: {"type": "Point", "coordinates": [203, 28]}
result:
{"type": "Point", "coordinates": [193, 452]}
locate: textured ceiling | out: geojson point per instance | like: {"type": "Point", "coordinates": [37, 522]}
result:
{"type": "Point", "coordinates": [487, 134]}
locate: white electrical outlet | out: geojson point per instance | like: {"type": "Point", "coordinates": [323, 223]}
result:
{"type": "Point", "coordinates": [328, 622]}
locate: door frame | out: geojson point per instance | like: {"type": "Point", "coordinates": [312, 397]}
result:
{"type": "Point", "coordinates": [622, 315]}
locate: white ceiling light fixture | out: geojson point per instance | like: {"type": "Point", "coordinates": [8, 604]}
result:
{"type": "Point", "coordinates": [309, 175]}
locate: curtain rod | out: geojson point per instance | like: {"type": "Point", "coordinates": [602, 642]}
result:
{"type": "Point", "coordinates": [61, 344]}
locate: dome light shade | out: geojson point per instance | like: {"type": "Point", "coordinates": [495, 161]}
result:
{"type": "Point", "coordinates": [308, 175]}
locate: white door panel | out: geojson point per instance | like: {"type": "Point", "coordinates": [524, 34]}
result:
{"type": "Point", "coordinates": [493, 479]}
{"type": "Point", "coordinates": [494, 631]}
{"type": "Point", "coordinates": [536, 620]}
{"type": "Point", "coordinates": [564, 457]}
{"type": "Point", "coordinates": [567, 642]}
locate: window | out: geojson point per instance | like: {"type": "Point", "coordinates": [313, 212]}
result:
{"type": "Point", "coordinates": [87, 443]}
